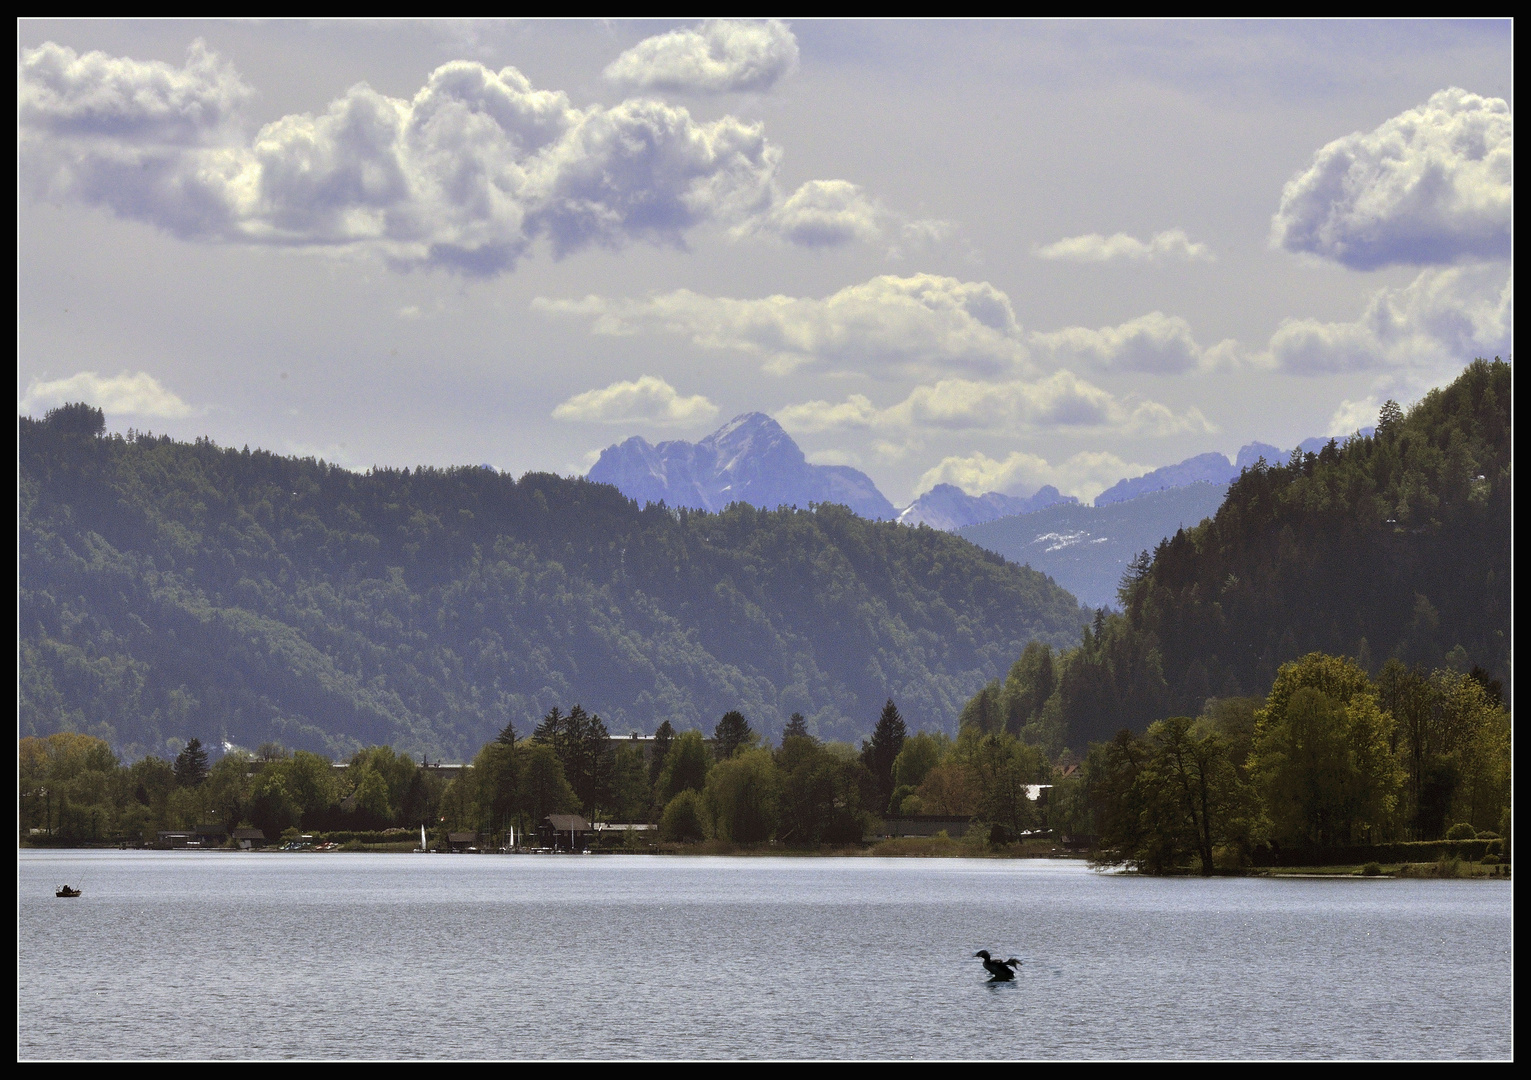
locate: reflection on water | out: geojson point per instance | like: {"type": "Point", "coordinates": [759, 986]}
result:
{"type": "Point", "coordinates": [187, 954]}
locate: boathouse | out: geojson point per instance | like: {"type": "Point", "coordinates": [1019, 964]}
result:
{"type": "Point", "coordinates": [563, 832]}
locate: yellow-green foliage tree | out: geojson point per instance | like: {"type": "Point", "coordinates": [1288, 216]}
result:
{"type": "Point", "coordinates": [947, 790]}
{"type": "Point", "coordinates": [287, 791]}
{"type": "Point", "coordinates": [684, 818]}
{"type": "Point", "coordinates": [1323, 763]}
{"type": "Point", "coordinates": [1453, 743]}
{"type": "Point", "coordinates": [742, 796]}
{"type": "Point", "coordinates": [496, 780]}
{"type": "Point", "coordinates": [1198, 797]}
{"type": "Point", "coordinates": [824, 792]}
{"type": "Point", "coordinates": [382, 782]}
{"type": "Point", "coordinates": [66, 784]}
{"type": "Point", "coordinates": [685, 766]}
{"type": "Point", "coordinates": [999, 769]}
{"type": "Point", "coordinates": [921, 753]}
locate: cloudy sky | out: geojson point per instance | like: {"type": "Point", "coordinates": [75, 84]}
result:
{"type": "Point", "coordinates": [999, 255]}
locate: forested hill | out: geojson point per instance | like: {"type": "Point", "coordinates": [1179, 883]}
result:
{"type": "Point", "coordinates": [1393, 545]}
{"type": "Point", "coordinates": [169, 590]}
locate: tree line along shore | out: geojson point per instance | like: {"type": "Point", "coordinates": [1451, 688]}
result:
{"type": "Point", "coordinates": [1331, 767]}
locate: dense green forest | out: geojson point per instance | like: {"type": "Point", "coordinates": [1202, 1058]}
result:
{"type": "Point", "coordinates": [169, 590]}
{"type": "Point", "coordinates": [1329, 759]}
{"type": "Point", "coordinates": [737, 788]}
{"type": "Point", "coordinates": [1395, 546]}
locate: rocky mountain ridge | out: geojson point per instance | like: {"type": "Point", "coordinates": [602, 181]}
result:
{"type": "Point", "coordinates": [751, 459]}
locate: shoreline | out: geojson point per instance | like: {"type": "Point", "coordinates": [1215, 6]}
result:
{"type": "Point", "coordinates": [1457, 870]}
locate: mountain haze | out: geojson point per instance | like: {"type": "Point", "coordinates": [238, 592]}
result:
{"type": "Point", "coordinates": [1086, 549]}
{"type": "Point", "coordinates": [948, 507]}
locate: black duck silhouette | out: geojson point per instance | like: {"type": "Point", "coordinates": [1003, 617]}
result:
{"type": "Point", "coordinates": [999, 970]}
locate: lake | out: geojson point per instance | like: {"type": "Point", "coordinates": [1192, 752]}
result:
{"type": "Point", "coordinates": [266, 955]}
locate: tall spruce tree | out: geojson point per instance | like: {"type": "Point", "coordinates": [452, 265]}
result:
{"type": "Point", "coordinates": [584, 749]}
{"type": "Point", "coordinates": [191, 764]}
{"type": "Point", "coordinates": [664, 735]}
{"type": "Point", "coordinates": [507, 736]}
{"type": "Point", "coordinates": [797, 728]}
{"type": "Point", "coordinates": [879, 754]}
{"type": "Point", "coordinates": [732, 732]}
{"type": "Point", "coordinates": [552, 730]}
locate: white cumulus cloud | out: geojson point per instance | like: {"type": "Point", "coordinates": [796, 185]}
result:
{"type": "Point", "coordinates": [921, 323]}
{"type": "Point", "coordinates": [64, 93]}
{"type": "Point", "coordinates": [1432, 185]}
{"type": "Point", "coordinates": [1061, 400]}
{"type": "Point", "coordinates": [718, 56]}
{"type": "Point", "coordinates": [1440, 321]}
{"type": "Point", "coordinates": [1404, 387]}
{"type": "Point", "coordinates": [138, 394]}
{"type": "Point", "coordinates": [1156, 343]}
{"type": "Point", "coordinates": [467, 174]}
{"type": "Point", "coordinates": [829, 213]}
{"type": "Point", "coordinates": [1119, 247]}
{"type": "Point", "coordinates": [647, 399]}
{"type": "Point", "coordinates": [823, 213]}
{"type": "Point", "coordinates": [1085, 475]}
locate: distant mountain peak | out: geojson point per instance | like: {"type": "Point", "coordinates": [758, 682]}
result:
{"type": "Point", "coordinates": [948, 507]}
{"type": "Point", "coordinates": [750, 459]}
{"type": "Point", "coordinates": [1211, 468]}
{"type": "Point", "coordinates": [1208, 468]}
{"type": "Point", "coordinates": [748, 423]}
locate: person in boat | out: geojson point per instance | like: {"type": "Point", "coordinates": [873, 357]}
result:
{"type": "Point", "coordinates": [999, 970]}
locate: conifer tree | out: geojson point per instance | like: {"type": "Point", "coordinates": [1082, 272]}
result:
{"type": "Point", "coordinates": [797, 728]}
{"type": "Point", "coordinates": [664, 735]}
{"type": "Point", "coordinates": [552, 730]}
{"type": "Point", "coordinates": [887, 740]}
{"type": "Point", "coordinates": [191, 764]}
{"type": "Point", "coordinates": [732, 732]}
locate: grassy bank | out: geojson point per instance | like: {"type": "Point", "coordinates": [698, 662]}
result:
{"type": "Point", "coordinates": [1444, 868]}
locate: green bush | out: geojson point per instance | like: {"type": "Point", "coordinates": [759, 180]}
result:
{"type": "Point", "coordinates": [682, 819]}
{"type": "Point", "coordinates": [1461, 831]}
{"type": "Point", "coordinates": [1371, 869]}
{"type": "Point", "coordinates": [1490, 860]}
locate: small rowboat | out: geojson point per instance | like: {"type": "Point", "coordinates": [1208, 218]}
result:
{"type": "Point", "coordinates": [67, 891]}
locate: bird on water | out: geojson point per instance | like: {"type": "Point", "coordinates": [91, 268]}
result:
{"type": "Point", "coordinates": [999, 970]}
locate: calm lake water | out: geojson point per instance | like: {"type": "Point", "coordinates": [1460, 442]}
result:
{"type": "Point", "coordinates": [210, 954]}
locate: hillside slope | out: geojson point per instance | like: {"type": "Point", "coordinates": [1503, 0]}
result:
{"type": "Point", "coordinates": [1400, 540]}
{"type": "Point", "coordinates": [1396, 544]}
{"type": "Point", "coordinates": [171, 589]}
